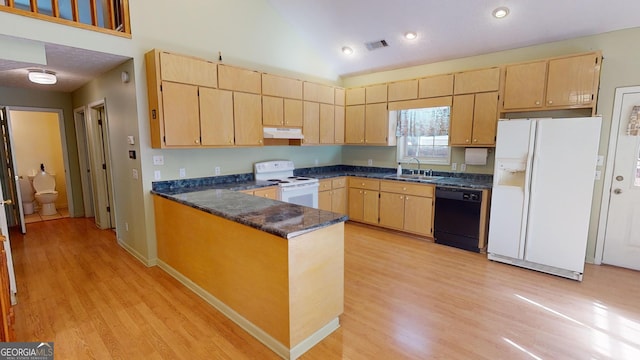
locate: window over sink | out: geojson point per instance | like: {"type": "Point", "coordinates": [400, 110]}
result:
{"type": "Point", "coordinates": [424, 134]}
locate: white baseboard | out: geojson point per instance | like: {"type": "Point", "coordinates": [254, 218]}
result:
{"type": "Point", "coordinates": [247, 325]}
{"type": "Point", "coordinates": [136, 254]}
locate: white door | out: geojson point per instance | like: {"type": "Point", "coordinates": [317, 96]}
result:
{"type": "Point", "coordinates": [7, 247]}
{"type": "Point", "coordinates": [622, 234]}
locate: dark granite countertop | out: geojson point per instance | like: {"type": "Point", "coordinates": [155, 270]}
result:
{"type": "Point", "coordinates": [220, 196]}
{"type": "Point", "coordinates": [271, 216]}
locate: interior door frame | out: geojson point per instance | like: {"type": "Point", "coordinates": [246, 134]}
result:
{"type": "Point", "coordinates": [82, 144]}
{"type": "Point", "coordinates": [608, 173]}
{"type": "Point", "coordinates": [63, 141]}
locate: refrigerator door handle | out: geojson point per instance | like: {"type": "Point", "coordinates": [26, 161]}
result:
{"type": "Point", "coordinates": [527, 186]}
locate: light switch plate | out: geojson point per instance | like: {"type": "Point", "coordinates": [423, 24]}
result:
{"type": "Point", "coordinates": [463, 167]}
{"type": "Point", "coordinates": [183, 172]}
{"type": "Point", "coordinates": [130, 140]}
{"type": "Point", "coordinates": [158, 160]}
{"type": "Point", "coordinates": [134, 173]}
{"type": "Point", "coordinates": [454, 166]}
{"type": "Point", "coordinates": [217, 170]}
{"type": "Point", "coordinates": [156, 175]}
{"type": "Point", "coordinates": [598, 174]}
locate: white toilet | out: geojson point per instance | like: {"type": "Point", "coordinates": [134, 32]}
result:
{"type": "Point", "coordinates": [46, 195]}
{"type": "Point", "coordinates": [26, 193]}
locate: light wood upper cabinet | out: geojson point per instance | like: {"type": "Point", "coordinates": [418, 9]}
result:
{"type": "Point", "coordinates": [435, 86]}
{"type": "Point", "coordinates": [238, 79]}
{"type": "Point", "coordinates": [181, 114]}
{"type": "Point", "coordinates": [378, 129]}
{"type": "Point", "coordinates": [339, 118]}
{"type": "Point", "coordinates": [327, 124]}
{"type": "Point", "coordinates": [187, 70]}
{"type": "Point", "coordinates": [355, 96]}
{"type": "Point", "coordinates": [216, 117]}
{"type": "Point", "coordinates": [272, 111]}
{"type": "Point", "coordinates": [354, 124]}
{"type": "Point", "coordinates": [476, 81]}
{"type": "Point", "coordinates": [273, 85]}
{"type": "Point", "coordinates": [311, 123]}
{"type": "Point", "coordinates": [293, 113]}
{"type": "Point", "coordinates": [403, 90]}
{"type": "Point", "coordinates": [473, 119]}
{"type": "Point", "coordinates": [573, 81]}
{"type": "Point", "coordinates": [376, 94]}
{"type": "Point", "coordinates": [318, 93]}
{"type": "Point", "coordinates": [524, 85]}
{"type": "Point", "coordinates": [248, 118]}
{"type": "Point", "coordinates": [339, 96]}
{"type": "Point", "coordinates": [558, 83]}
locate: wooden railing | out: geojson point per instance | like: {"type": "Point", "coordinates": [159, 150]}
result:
{"type": "Point", "coordinates": [111, 16]}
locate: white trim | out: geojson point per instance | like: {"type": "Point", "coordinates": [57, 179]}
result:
{"type": "Point", "coordinates": [65, 148]}
{"type": "Point", "coordinates": [136, 254]}
{"type": "Point", "coordinates": [573, 275]}
{"type": "Point", "coordinates": [608, 172]}
{"type": "Point", "coordinates": [82, 145]}
{"type": "Point", "coordinates": [248, 326]}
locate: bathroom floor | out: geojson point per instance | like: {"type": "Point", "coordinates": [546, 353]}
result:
{"type": "Point", "coordinates": [36, 217]}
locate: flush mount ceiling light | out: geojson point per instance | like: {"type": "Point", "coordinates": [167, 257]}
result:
{"type": "Point", "coordinates": [410, 35]}
{"type": "Point", "coordinates": [347, 50]}
{"type": "Point", "coordinates": [500, 12]}
{"type": "Point", "coordinates": [43, 77]}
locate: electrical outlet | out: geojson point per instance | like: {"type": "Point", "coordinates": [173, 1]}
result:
{"type": "Point", "coordinates": [463, 167]}
{"type": "Point", "coordinates": [454, 166]}
{"type": "Point", "coordinates": [134, 173]}
{"type": "Point", "coordinates": [158, 160]}
{"type": "Point", "coordinates": [183, 172]}
{"type": "Point", "coordinates": [370, 162]}
{"type": "Point", "coordinates": [315, 162]}
{"type": "Point", "coordinates": [217, 170]}
{"type": "Point", "coordinates": [156, 175]}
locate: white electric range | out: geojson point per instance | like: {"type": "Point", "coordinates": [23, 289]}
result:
{"type": "Point", "coordinates": [298, 190]}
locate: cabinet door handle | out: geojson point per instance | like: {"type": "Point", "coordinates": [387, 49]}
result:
{"type": "Point", "coordinates": [550, 102]}
{"type": "Point", "coordinates": [466, 140]}
{"type": "Point", "coordinates": [537, 102]}
{"type": "Point", "coordinates": [475, 140]}
{"type": "Point", "coordinates": [196, 141]}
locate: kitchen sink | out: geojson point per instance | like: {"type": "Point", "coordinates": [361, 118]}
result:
{"type": "Point", "coordinates": [417, 177]}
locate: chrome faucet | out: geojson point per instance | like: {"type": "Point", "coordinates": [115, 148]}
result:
{"type": "Point", "coordinates": [430, 172]}
{"type": "Point", "coordinates": [418, 161]}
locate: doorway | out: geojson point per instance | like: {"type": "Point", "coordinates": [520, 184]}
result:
{"type": "Point", "coordinates": [80, 121]}
{"type": "Point", "coordinates": [97, 139]}
{"type": "Point", "coordinates": [618, 241]}
{"type": "Point", "coordinates": [34, 143]}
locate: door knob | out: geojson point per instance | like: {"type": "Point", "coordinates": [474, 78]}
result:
{"type": "Point", "coordinates": [617, 191]}
{"type": "Point", "coordinates": [6, 202]}
{"type": "Point", "coordinates": [619, 178]}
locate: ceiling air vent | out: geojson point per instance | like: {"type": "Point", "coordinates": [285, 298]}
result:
{"type": "Point", "coordinates": [376, 44]}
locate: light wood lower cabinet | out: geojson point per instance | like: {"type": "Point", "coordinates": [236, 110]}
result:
{"type": "Point", "coordinates": [408, 207]}
{"type": "Point", "coordinates": [270, 192]}
{"type": "Point", "coordinates": [364, 200]}
{"type": "Point", "coordinates": [332, 195]}
{"type": "Point", "coordinates": [392, 204]}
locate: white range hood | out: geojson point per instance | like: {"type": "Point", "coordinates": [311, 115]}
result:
{"type": "Point", "coordinates": [282, 133]}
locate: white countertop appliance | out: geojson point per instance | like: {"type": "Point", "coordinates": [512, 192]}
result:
{"type": "Point", "coordinates": [298, 190]}
{"type": "Point", "coordinates": [542, 192]}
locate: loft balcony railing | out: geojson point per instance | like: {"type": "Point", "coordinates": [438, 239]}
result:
{"type": "Point", "coordinates": [110, 16]}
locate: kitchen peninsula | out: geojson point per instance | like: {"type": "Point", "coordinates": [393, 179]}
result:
{"type": "Point", "coordinates": [276, 269]}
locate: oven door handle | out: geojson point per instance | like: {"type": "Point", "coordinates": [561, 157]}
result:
{"type": "Point", "coordinates": [299, 187]}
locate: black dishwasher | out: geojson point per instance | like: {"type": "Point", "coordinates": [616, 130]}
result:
{"type": "Point", "coordinates": [457, 217]}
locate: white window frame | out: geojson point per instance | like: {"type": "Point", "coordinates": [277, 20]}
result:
{"type": "Point", "coordinates": [402, 158]}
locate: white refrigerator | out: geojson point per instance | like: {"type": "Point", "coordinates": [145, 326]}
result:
{"type": "Point", "coordinates": [542, 192]}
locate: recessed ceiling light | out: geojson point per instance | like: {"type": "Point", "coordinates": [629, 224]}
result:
{"type": "Point", "coordinates": [410, 35]}
{"type": "Point", "coordinates": [43, 77]}
{"type": "Point", "coordinates": [500, 12]}
{"type": "Point", "coordinates": [347, 50]}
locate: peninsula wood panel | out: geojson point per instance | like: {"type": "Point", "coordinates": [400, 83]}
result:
{"type": "Point", "coordinates": [248, 271]}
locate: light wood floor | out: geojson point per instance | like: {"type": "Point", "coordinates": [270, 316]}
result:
{"type": "Point", "coordinates": [404, 299]}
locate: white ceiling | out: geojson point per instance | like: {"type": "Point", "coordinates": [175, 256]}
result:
{"type": "Point", "coordinates": [447, 29]}
{"type": "Point", "coordinates": [74, 67]}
